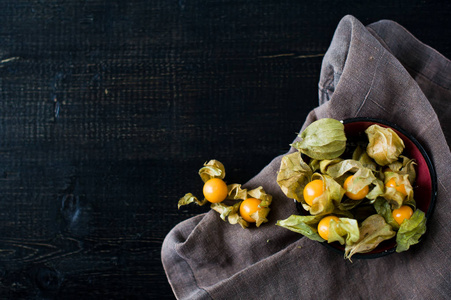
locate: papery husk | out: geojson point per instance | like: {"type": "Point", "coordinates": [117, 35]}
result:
{"type": "Point", "coordinates": [314, 165]}
{"type": "Point", "coordinates": [260, 216]}
{"type": "Point", "coordinates": [230, 213]}
{"type": "Point", "coordinates": [384, 146]}
{"type": "Point", "coordinates": [394, 197]}
{"type": "Point", "coordinates": [362, 177]}
{"type": "Point", "coordinates": [334, 189]}
{"type": "Point", "coordinates": [345, 231]}
{"type": "Point", "coordinates": [212, 169]}
{"type": "Point", "coordinates": [322, 139]}
{"type": "Point", "coordinates": [326, 163]}
{"type": "Point", "coordinates": [394, 166]}
{"type": "Point", "coordinates": [383, 208]}
{"type": "Point", "coordinates": [343, 167]}
{"type": "Point", "coordinates": [362, 157]}
{"type": "Point", "coordinates": [236, 192]}
{"type": "Point", "coordinates": [404, 166]}
{"type": "Point", "coordinates": [259, 193]}
{"type": "Point", "coordinates": [410, 231]}
{"type": "Point", "coordinates": [293, 176]}
{"type": "Point", "coordinates": [373, 231]}
{"type": "Point", "coordinates": [190, 198]}
{"type": "Point", "coordinates": [322, 165]}
{"type": "Point", "coordinates": [376, 191]}
{"type": "Point", "coordinates": [329, 200]}
{"type": "Point", "coordinates": [408, 168]}
{"type": "Point", "coordinates": [305, 225]}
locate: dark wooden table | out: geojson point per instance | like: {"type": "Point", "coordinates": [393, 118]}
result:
{"type": "Point", "coordinates": [109, 108]}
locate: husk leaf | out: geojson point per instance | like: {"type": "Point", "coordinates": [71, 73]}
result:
{"type": "Point", "coordinates": [329, 200]}
{"type": "Point", "coordinates": [345, 231]}
{"type": "Point", "coordinates": [410, 231]}
{"type": "Point", "coordinates": [212, 169]}
{"type": "Point", "coordinates": [384, 146]}
{"type": "Point", "coordinates": [362, 157]}
{"type": "Point", "coordinates": [363, 176]}
{"type": "Point", "coordinates": [190, 198]}
{"type": "Point", "coordinates": [383, 208]}
{"type": "Point", "coordinates": [322, 139]}
{"type": "Point", "coordinates": [372, 231]}
{"type": "Point", "coordinates": [395, 197]}
{"type": "Point", "coordinates": [236, 192]}
{"type": "Point", "coordinates": [293, 176]}
{"type": "Point", "coordinates": [305, 225]}
{"type": "Point", "coordinates": [230, 213]}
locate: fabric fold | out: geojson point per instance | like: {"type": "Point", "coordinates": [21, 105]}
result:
{"type": "Point", "coordinates": [366, 72]}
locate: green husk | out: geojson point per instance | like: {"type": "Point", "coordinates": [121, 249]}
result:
{"type": "Point", "coordinates": [345, 231]}
{"type": "Point", "coordinates": [363, 176]}
{"type": "Point", "coordinates": [410, 231]}
{"type": "Point", "coordinates": [260, 216]}
{"type": "Point", "coordinates": [337, 170]}
{"type": "Point", "coordinates": [372, 231]}
{"type": "Point", "coordinates": [259, 193]}
{"type": "Point", "coordinates": [322, 139]}
{"type": "Point", "coordinates": [212, 169]}
{"type": "Point", "coordinates": [384, 146]}
{"type": "Point", "coordinates": [383, 208]}
{"type": "Point", "coordinates": [230, 212]}
{"type": "Point", "coordinates": [329, 200]}
{"type": "Point", "coordinates": [404, 167]}
{"type": "Point", "coordinates": [305, 225]}
{"type": "Point", "coordinates": [394, 197]}
{"type": "Point", "coordinates": [236, 192]}
{"type": "Point", "coordinates": [190, 198]}
{"type": "Point", "coordinates": [362, 157]}
{"type": "Point", "coordinates": [408, 168]}
{"type": "Point", "coordinates": [326, 163]}
{"type": "Point", "coordinates": [293, 176]}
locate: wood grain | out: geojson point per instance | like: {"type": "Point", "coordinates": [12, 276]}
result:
{"type": "Point", "coordinates": [109, 108]}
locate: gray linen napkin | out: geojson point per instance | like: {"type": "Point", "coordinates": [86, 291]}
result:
{"type": "Point", "coordinates": [378, 71]}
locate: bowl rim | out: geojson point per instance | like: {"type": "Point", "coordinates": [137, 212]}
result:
{"type": "Point", "coordinates": [432, 174]}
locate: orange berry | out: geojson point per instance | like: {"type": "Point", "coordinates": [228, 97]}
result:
{"type": "Point", "coordinates": [215, 190]}
{"type": "Point", "coordinates": [324, 225]}
{"type": "Point", "coordinates": [312, 190]}
{"type": "Point", "coordinates": [400, 188]}
{"type": "Point", "coordinates": [355, 196]}
{"type": "Point", "coordinates": [402, 213]}
{"type": "Point", "coordinates": [249, 207]}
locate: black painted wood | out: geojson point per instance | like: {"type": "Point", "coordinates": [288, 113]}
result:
{"type": "Point", "coordinates": [109, 108]}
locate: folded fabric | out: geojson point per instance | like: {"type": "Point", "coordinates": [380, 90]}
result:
{"type": "Point", "coordinates": [378, 71]}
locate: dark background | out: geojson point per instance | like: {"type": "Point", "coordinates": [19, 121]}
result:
{"type": "Point", "coordinates": [109, 108]}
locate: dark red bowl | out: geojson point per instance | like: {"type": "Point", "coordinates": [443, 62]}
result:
{"type": "Point", "coordinates": [425, 187]}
